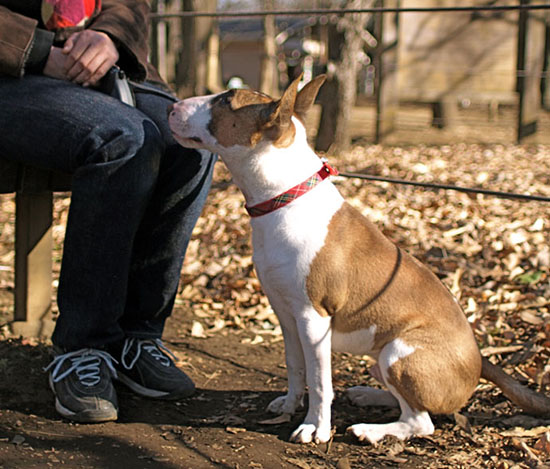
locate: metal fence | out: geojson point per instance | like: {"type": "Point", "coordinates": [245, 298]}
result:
{"type": "Point", "coordinates": [481, 90]}
{"type": "Point", "coordinates": [342, 11]}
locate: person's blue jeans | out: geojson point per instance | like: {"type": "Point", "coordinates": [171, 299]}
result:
{"type": "Point", "coordinates": [136, 196]}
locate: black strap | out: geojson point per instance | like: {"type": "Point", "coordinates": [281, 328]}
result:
{"type": "Point", "coordinates": [389, 281]}
{"type": "Point", "coordinates": [144, 88]}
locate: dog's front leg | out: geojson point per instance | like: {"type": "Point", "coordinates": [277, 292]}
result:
{"type": "Point", "coordinates": [315, 338]}
{"type": "Point", "coordinates": [295, 366]}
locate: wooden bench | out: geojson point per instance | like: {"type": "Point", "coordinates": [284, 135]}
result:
{"type": "Point", "coordinates": [33, 243]}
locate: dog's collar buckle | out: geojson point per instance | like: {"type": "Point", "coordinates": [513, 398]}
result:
{"type": "Point", "coordinates": [328, 169]}
{"type": "Point", "coordinates": [285, 198]}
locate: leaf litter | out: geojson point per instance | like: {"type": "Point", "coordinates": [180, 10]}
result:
{"type": "Point", "coordinates": [493, 254]}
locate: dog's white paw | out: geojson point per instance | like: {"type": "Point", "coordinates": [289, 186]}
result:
{"type": "Point", "coordinates": [307, 433]}
{"type": "Point", "coordinates": [418, 424]}
{"type": "Point", "coordinates": [284, 405]}
{"type": "Point", "coordinates": [367, 433]}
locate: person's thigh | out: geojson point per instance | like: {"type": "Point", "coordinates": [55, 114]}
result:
{"type": "Point", "coordinates": [57, 125]}
{"type": "Point", "coordinates": [155, 106]}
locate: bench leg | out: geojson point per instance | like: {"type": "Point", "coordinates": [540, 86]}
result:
{"type": "Point", "coordinates": [33, 264]}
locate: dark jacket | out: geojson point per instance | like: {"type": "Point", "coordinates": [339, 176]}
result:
{"type": "Point", "coordinates": [25, 43]}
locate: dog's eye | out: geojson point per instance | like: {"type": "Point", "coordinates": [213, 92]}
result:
{"type": "Point", "coordinates": [222, 100]}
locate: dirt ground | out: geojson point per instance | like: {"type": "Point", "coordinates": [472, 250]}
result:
{"type": "Point", "coordinates": [221, 425]}
{"type": "Point", "coordinates": [493, 254]}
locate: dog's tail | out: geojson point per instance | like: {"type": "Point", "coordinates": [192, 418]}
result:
{"type": "Point", "coordinates": [532, 402]}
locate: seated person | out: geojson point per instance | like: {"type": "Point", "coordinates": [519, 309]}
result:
{"type": "Point", "coordinates": [136, 194]}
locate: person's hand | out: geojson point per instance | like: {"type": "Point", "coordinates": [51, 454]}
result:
{"type": "Point", "coordinates": [88, 57]}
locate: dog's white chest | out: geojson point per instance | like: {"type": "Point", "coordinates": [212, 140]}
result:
{"type": "Point", "coordinates": [286, 241]}
{"type": "Point", "coordinates": [360, 342]}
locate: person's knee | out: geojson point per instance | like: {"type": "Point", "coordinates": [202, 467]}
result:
{"type": "Point", "coordinates": [122, 140]}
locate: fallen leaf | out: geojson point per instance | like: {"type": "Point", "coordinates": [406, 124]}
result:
{"type": "Point", "coordinates": [530, 318]}
{"type": "Point", "coordinates": [543, 443]}
{"type": "Point", "coordinates": [197, 330]}
{"type": "Point", "coordinates": [235, 430]}
{"type": "Point", "coordinates": [463, 422]}
{"type": "Point", "coordinates": [525, 432]}
{"type": "Point", "coordinates": [526, 450]}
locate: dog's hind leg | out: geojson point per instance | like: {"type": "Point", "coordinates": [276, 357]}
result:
{"type": "Point", "coordinates": [364, 396]}
{"type": "Point", "coordinates": [411, 422]}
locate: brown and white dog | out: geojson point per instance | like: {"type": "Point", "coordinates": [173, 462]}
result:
{"type": "Point", "coordinates": [332, 278]}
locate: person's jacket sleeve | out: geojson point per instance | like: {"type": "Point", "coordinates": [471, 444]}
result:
{"type": "Point", "coordinates": [24, 47]}
{"type": "Point", "coordinates": [18, 37]}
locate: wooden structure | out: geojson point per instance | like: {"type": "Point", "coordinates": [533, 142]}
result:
{"type": "Point", "coordinates": [485, 57]}
{"type": "Point", "coordinates": [33, 244]}
{"type": "Point", "coordinates": [386, 63]}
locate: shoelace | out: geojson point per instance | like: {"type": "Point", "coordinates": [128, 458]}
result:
{"type": "Point", "coordinates": [85, 362]}
{"type": "Point", "coordinates": [154, 347]}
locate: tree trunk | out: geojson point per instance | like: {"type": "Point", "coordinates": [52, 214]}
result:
{"type": "Point", "coordinates": [346, 73]}
{"type": "Point", "coordinates": [347, 65]}
{"type": "Point", "coordinates": [198, 68]}
{"type": "Point", "coordinates": [346, 76]}
{"type": "Point", "coordinates": [213, 67]}
{"type": "Point", "coordinates": [268, 72]}
{"type": "Point", "coordinates": [185, 71]}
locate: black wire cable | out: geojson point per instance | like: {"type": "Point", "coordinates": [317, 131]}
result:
{"type": "Point", "coordinates": [341, 11]}
{"type": "Point", "coordinates": [502, 195]}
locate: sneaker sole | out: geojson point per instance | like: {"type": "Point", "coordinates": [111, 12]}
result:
{"type": "Point", "coordinates": [152, 393]}
{"type": "Point", "coordinates": [89, 416]}
{"type": "Point", "coordinates": [86, 416]}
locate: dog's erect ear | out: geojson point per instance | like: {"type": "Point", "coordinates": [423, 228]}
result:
{"type": "Point", "coordinates": [279, 113]}
{"type": "Point", "coordinates": [288, 101]}
{"type": "Point", "coordinates": [306, 96]}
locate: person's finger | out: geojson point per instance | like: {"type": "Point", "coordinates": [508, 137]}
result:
{"type": "Point", "coordinates": [90, 72]}
{"type": "Point", "coordinates": [81, 73]}
{"type": "Point", "coordinates": [99, 73]}
{"type": "Point", "coordinates": [76, 69]}
{"type": "Point", "coordinates": [87, 63]}
{"type": "Point", "coordinates": [73, 57]}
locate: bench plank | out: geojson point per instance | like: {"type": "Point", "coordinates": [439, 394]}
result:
{"type": "Point", "coordinates": [33, 264]}
{"type": "Point", "coordinates": [34, 189]}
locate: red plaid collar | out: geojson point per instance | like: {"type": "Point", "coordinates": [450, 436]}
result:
{"type": "Point", "coordinates": [285, 198]}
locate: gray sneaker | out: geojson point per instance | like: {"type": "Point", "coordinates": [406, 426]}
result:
{"type": "Point", "coordinates": [83, 387]}
{"type": "Point", "coordinates": [147, 368]}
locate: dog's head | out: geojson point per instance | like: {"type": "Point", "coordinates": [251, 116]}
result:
{"type": "Point", "coordinates": [240, 119]}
